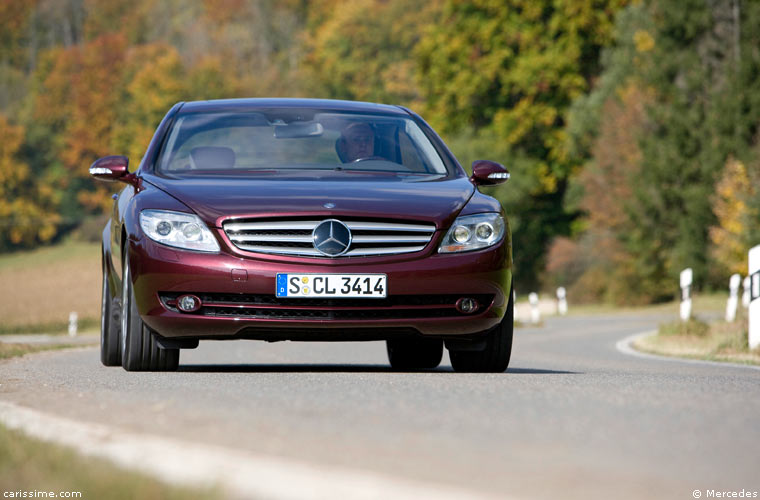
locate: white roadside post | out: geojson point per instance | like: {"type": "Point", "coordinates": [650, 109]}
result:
{"type": "Point", "coordinates": [686, 279]}
{"type": "Point", "coordinates": [745, 295]}
{"type": "Point", "coordinates": [733, 297]}
{"type": "Point", "coordinates": [73, 317]}
{"type": "Point", "coordinates": [535, 314]}
{"type": "Point", "coordinates": [754, 304]}
{"type": "Point", "coordinates": [562, 301]}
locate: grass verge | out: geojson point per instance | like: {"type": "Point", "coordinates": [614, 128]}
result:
{"type": "Point", "coordinates": [695, 339]}
{"type": "Point", "coordinates": [13, 350]}
{"type": "Point", "coordinates": [30, 465]}
{"type": "Point", "coordinates": [52, 327]}
{"type": "Point", "coordinates": [702, 303]}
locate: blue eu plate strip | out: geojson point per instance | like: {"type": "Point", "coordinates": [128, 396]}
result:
{"type": "Point", "coordinates": [282, 285]}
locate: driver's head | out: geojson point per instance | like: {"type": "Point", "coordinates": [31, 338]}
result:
{"type": "Point", "coordinates": [358, 141]}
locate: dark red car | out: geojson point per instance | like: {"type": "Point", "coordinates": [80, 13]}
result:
{"type": "Point", "coordinates": [310, 220]}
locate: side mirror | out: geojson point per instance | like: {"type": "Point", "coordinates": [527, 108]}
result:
{"type": "Point", "coordinates": [488, 173]}
{"type": "Point", "coordinates": [111, 168]}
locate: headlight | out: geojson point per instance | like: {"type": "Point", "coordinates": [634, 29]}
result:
{"type": "Point", "coordinates": [473, 232]}
{"type": "Point", "coordinates": [178, 229]}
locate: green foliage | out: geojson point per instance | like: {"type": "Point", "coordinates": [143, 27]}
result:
{"type": "Point", "coordinates": [510, 71]}
{"type": "Point", "coordinates": [361, 50]}
{"type": "Point", "coordinates": [700, 109]}
{"type": "Point", "coordinates": [627, 113]}
{"type": "Point", "coordinates": [24, 202]}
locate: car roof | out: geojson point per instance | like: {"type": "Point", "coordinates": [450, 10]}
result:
{"type": "Point", "coordinates": [254, 104]}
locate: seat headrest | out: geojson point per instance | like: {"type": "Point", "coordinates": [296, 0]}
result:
{"type": "Point", "coordinates": [213, 157]}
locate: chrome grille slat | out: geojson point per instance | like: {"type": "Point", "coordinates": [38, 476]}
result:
{"type": "Point", "coordinates": [311, 252]}
{"type": "Point", "coordinates": [272, 226]}
{"type": "Point", "coordinates": [293, 237]}
{"type": "Point", "coordinates": [382, 251]}
{"type": "Point", "coordinates": [390, 239]}
{"type": "Point", "coordinates": [285, 238]}
{"type": "Point", "coordinates": [382, 226]}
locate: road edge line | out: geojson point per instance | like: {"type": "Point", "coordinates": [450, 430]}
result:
{"type": "Point", "coordinates": [625, 346]}
{"type": "Point", "coordinates": [237, 472]}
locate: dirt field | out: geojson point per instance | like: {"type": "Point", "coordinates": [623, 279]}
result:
{"type": "Point", "coordinates": [43, 286]}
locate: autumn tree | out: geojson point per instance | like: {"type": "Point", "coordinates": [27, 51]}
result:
{"type": "Point", "coordinates": [363, 50]}
{"type": "Point", "coordinates": [26, 209]}
{"type": "Point", "coordinates": [508, 72]}
{"type": "Point", "coordinates": [733, 193]}
{"type": "Point", "coordinates": [154, 80]}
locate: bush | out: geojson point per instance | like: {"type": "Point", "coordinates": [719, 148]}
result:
{"type": "Point", "coordinates": [692, 328]}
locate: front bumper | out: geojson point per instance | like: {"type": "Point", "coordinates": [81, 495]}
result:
{"type": "Point", "coordinates": [239, 295]}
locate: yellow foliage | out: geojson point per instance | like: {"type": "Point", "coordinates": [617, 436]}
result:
{"type": "Point", "coordinates": [643, 41]}
{"type": "Point", "coordinates": [157, 82]}
{"type": "Point", "coordinates": [23, 219]}
{"type": "Point", "coordinates": [730, 206]}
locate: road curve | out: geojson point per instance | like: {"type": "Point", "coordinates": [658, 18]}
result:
{"type": "Point", "coordinates": [572, 418]}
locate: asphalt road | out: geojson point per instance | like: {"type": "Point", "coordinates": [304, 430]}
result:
{"type": "Point", "coordinates": [572, 417]}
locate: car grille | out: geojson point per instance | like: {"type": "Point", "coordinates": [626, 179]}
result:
{"type": "Point", "coordinates": [248, 306]}
{"type": "Point", "coordinates": [294, 237]}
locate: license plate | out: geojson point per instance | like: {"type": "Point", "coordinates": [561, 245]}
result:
{"type": "Point", "coordinates": [372, 286]}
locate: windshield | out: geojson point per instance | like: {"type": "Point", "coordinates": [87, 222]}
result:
{"type": "Point", "coordinates": [289, 139]}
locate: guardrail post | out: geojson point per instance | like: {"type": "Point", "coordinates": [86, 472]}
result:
{"type": "Point", "coordinates": [561, 301]}
{"type": "Point", "coordinates": [73, 319]}
{"type": "Point", "coordinates": [686, 279]}
{"type": "Point", "coordinates": [733, 297]}
{"type": "Point", "coordinates": [754, 304]}
{"type": "Point", "coordinates": [745, 295]}
{"type": "Point", "coordinates": [535, 314]}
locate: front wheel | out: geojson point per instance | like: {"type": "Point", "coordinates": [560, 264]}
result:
{"type": "Point", "coordinates": [498, 349]}
{"type": "Point", "coordinates": [110, 348]}
{"type": "Point", "coordinates": [139, 349]}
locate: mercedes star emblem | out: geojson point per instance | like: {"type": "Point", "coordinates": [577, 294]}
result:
{"type": "Point", "coordinates": [331, 237]}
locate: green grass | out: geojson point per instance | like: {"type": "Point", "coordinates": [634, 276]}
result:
{"type": "Point", "coordinates": [69, 250]}
{"type": "Point", "coordinates": [695, 339]}
{"type": "Point", "coordinates": [703, 303]}
{"type": "Point", "coordinates": [53, 327]}
{"type": "Point", "coordinates": [30, 465]}
{"type": "Point", "coordinates": [11, 350]}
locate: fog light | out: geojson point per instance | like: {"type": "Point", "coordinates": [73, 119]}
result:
{"type": "Point", "coordinates": [188, 303]}
{"type": "Point", "coordinates": [467, 305]}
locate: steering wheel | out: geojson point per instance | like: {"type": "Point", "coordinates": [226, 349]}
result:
{"type": "Point", "coordinates": [367, 158]}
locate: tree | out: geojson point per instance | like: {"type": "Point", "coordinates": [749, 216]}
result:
{"type": "Point", "coordinates": [26, 215]}
{"type": "Point", "coordinates": [75, 107]}
{"type": "Point", "coordinates": [733, 194]}
{"type": "Point", "coordinates": [154, 80]}
{"type": "Point", "coordinates": [696, 65]}
{"type": "Point", "coordinates": [510, 71]}
{"type": "Point", "coordinates": [362, 50]}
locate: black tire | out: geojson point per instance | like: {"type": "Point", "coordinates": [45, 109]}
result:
{"type": "Point", "coordinates": [140, 352]}
{"type": "Point", "coordinates": [110, 345]}
{"type": "Point", "coordinates": [415, 354]}
{"type": "Point", "coordinates": [495, 357]}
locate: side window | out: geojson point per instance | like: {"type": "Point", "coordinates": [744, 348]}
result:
{"type": "Point", "coordinates": [410, 157]}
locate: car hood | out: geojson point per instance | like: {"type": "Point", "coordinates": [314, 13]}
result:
{"type": "Point", "coordinates": [215, 198]}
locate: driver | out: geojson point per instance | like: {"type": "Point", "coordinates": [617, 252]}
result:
{"type": "Point", "coordinates": [356, 141]}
